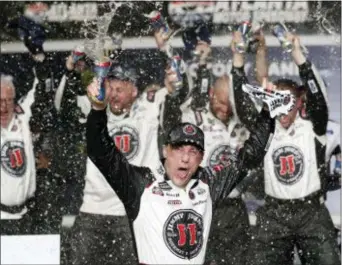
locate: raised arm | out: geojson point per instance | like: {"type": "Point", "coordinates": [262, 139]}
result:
{"type": "Point", "coordinates": [316, 97]}
{"type": "Point", "coordinates": [126, 180]}
{"type": "Point", "coordinates": [222, 180]}
{"type": "Point", "coordinates": [246, 110]}
{"type": "Point", "coordinates": [316, 104]}
{"type": "Point", "coordinates": [171, 113]}
{"type": "Point", "coordinates": [261, 63]}
{"type": "Point", "coordinates": [69, 112]}
{"type": "Point", "coordinates": [44, 114]}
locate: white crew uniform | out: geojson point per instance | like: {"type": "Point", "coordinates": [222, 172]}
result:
{"type": "Point", "coordinates": [221, 141]}
{"type": "Point", "coordinates": [135, 134]}
{"type": "Point", "coordinates": [290, 165]}
{"type": "Point", "coordinates": [173, 204]}
{"type": "Point", "coordinates": [18, 170]}
{"type": "Point", "coordinates": [171, 224]}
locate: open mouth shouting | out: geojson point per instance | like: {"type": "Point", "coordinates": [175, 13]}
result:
{"type": "Point", "coordinates": [183, 173]}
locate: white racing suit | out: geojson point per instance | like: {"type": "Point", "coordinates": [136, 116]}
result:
{"type": "Point", "coordinates": [102, 233]}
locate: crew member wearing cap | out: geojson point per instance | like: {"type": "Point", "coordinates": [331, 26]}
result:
{"type": "Point", "coordinates": [171, 216]}
{"type": "Point", "coordinates": [101, 233]}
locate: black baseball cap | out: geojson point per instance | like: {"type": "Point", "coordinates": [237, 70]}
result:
{"type": "Point", "coordinates": [186, 133]}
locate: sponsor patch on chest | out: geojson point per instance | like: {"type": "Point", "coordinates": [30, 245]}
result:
{"type": "Point", "coordinates": [222, 155]}
{"type": "Point", "coordinates": [157, 191]}
{"type": "Point", "coordinates": [174, 202]}
{"type": "Point", "coordinates": [288, 163]}
{"type": "Point", "coordinates": [13, 158]}
{"type": "Point", "coordinates": [126, 139]}
{"type": "Point", "coordinates": [164, 186]}
{"type": "Point", "coordinates": [183, 233]}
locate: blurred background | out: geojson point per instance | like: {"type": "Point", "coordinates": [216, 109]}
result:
{"type": "Point", "coordinates": [317, 22]}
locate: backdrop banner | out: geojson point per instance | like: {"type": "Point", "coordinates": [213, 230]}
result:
{"type": "Point", "coordinates": [65, 20]}
{"type": "Point", "coordinates": [327, 59]}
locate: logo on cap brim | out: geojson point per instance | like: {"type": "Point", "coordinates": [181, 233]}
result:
{"type": "Point", "coordinates": [189, 129]}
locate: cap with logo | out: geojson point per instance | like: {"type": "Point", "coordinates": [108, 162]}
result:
{"type": "Point", "coordinates": [186, 133]}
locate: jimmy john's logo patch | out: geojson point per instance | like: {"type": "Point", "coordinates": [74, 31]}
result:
{"type": "Point", "coordinates": [288, 164]}
{"type": "Point", "coordinates": [13, 158]}
{"type": "Point", "coordinates": [222, 155]}
{"type": "Point", "coordinates": [183, 233]}
{"type": "Point", "coordinates": [189, 129]}
{"type": "Point", "coordinates": [126, 139]}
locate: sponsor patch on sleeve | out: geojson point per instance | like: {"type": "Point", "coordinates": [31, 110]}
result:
{"type": "Point", "coordinates": [151, 96]}
{"type": "Point", "coordinates": [198, 117]}
{"type": "Point", "coordinates": [312, 86]}
{"type": "Point", "coordinates": [18, 109]}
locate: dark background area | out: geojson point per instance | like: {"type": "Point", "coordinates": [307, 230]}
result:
{"type": "Point", "coordinates": [130, 20]}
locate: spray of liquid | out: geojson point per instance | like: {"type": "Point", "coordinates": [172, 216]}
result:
{"type": "Point", "coordinates": [325, 24]}
{"type": "Point", "coordinates": [97, 41]}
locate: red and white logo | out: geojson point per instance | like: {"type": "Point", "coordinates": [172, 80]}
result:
{"type": "Point", "coordinates": [189, 129]}
{"type": "Point", "coordinates": [13, 158]}
{"type": "Point", "coordinates": [183, 233]}
{"type": "Point", "coordinates": [288, 164]}
{"type": "Point", "coordinates": [222, 155]}
{"type": "Point", "coordinates": [126, 139]}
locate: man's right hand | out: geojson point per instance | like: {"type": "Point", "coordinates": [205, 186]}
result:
{"type": "Point", "coordinates": [75, 61]}
{"type": "Point", "coordinates": [297, 53]}
{"type": "Point", "coordinates": [238, 58]}
{"type": "Point", "coordinates": [93, 90]}
{"type": "Point", "coordinates": [162, 41]}
{"type": "Point", "coordinates": [170, 77]}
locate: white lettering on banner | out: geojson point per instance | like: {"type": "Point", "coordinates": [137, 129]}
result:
{"type": "Point", "coordinates": [218, 69]}
{"type": "Point", "coordinates": [224, 13]}
{"type": "Point", "coordinates": [235, 11]}
{"type": "Point", "coordinates": [74, 12]}
{"type": "Point", "coordinates": [187, 13]}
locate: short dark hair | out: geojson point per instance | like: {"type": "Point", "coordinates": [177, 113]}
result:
{"type": "Point", "coordinates": [293, 86]}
